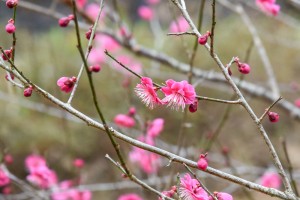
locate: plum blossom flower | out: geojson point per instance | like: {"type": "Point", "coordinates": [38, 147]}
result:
{"type": "Point", "coordinates": [107, 42]}
{"type": "Point", "coordinates": [96, 56]}
{"type": "Point", "coordinates": [124, 121]}
{"type": "Point", "coordinates": [130, 196]}
{"type": "Point", "coordinates": [66, 84]}
{"type": "Point", "coordinates": [190, 189]}
{"type": "Point", "coordinates": [155, 127]}
{"type": "Point", "coordinates": [146, 92]}
{"type": "Point", "coordinates": [33, 162]}
{"type": "Point", "coordinates": [4, 179]}
{"type": "Point", "coordinates": [178, 94]}
{"type": "Point", "coordinates": [179, 25]}
{"type": "Point", "coordinates": [42, 177]}
{"type": "Point", "coordinates": [92, 11]}
{"type": "Point", "coordinates": [145, 12]}
{"type": "Point", "coordinates": [271, 180]}
{"type": "Point", "coordinates": [268, 6]}
{"type": "Point", "coordinates": [147, 161]}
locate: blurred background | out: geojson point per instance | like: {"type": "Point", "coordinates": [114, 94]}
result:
{"type": "Point", "coordinates": [45, 52]}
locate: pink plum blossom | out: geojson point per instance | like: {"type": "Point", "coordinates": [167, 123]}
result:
{"type": "Point", "coordinates": [268, 6]}
{"type": "Point", "coordinates": [32, 162]}
{"type": "Point", "coordinates": [271, 180]}
{"type": "Point", "coordinates": [178, 94]}
{"type": "Point", "coordinates": [4, 179]}
{"type": "Point", "coordinates": [130, 196]}
{"type": "Point", "coordinates": [155, 127]}
{"type": "Point", "coordinates": [147, 92]}
{"type": "Point", "coordinates": [66, 84]}
{"type": "Point", "coordinates": [128, 62]}
{"type": "Point", "coordinates": [124, 121]}
{"type": "Point", "coordinates": [96, 56]}
{"type": "Point", "coordinates": [107, 42]}
{"type": "Point", "coordinates": [179, 25]}
{"type": "Point", "coordinates": [146, 13]}
{"type": "Point", "coordinates": [190, 189]}
{"type": "Point", "coordinates": [92, 11]}
{"type": "Point", "coordinates": [42, 177]}
{"type": "Point", "coordinates": [147, 161]}
{"type": "Point", "coordinates": [202, 162]}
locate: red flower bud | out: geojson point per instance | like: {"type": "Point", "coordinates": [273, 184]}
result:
{"type": "Point", "coordinates": [202, 162]}
{"type": "Point", "coordinates": [203, 38]}
{"type": "Point", "coordinates": [273, 117]}
{"type": "Point", "coordinates": [194, 106]}
{"type": "Point", "coordinates": [28, 91]}
{"type": "Point", "coordinates": [95, 68]}
{"type": "Point", "coordinates": [10, 27]}
{"type": "Point", "coordinates": [11, 3]}
{"type": "Point", "coordinates": [244, 68]}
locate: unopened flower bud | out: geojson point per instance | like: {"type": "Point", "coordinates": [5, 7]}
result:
{"type": "Point", "coordinates": [79, 163]}
{"type": "Point", "coordinates": [194, 106]}
{"type": "Point", "coordinates": [8, 159]}
{"type": "Point", "coordinates": [89, 33]}
{"type": "Point", "coordinates": [11, 3]}
{"type": "Point", "coordinates": [64, 21]}
{"type": "Point", "coordinates": [95, 68]}
{"type": "Point", "coordinates": [131, 111]}
{"type": "Point", "coordinates": [28, 91]}
{"type": "Point", "coordinates": [203, 38]}
{"type": "Point", "coordinates": [10, 27]}
{"type": "Point", "coordinates": [273, 117]}
{"type": "Point", "coordinates": [244, 68]}
{"type": "Point", "coordinates": [202, 162]}
{"type": "Point", "coordinates": [8, 54]}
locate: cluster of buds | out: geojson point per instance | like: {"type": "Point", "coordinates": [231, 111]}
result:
{"type": "Point", "coordinates": [64, 21]}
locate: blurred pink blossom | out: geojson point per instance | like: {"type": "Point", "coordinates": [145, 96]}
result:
{"type": "Point", "coordinates": [70, 194]}
{"type": "Point", "coordinates": [146, 13]}
{"type": "Point", "coordinates": [147, 161]}
{"type": "Point", "coordinates": [130, 196]}
{"type": "Point", "coordinates": [146, 92]}
{"type": "Point", "coordinates": [4, 179]}
{"type": "Point", "coordinates": [178, 94]}
{"type": "Point", "coordinates": [190, 189]}
{"type": "Point", "coordinates": [78, 162]}
{"type": "Point", "coordinates": [268, 6]}
{"type": "Point", "coordinates": [8, 158]}
{"type": "Point", "coordinates": [124, 121]}
{"type": "Point", "coordinates": [271, 180]}
{"type": "Point", "coordinates": [42, 177]}
{"type": "Point", "coordinates": [33, 162]}
{"type": "Point", "coordinates": [155, 127]}
{"type": "Point", "coordinates": [107, 42]}
{"type": "Point", "coordinates": [80, 3]}
{"type": "Point", "coordinates": [179, 25]}
{"type": "Point", "coordinates": [128, 62]}
{"type": "Point", "coordinates": [92, 11]}
{"type": "Point", "coordinates": [96, 56]}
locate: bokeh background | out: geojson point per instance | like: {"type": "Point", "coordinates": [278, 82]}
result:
{"type": "Point", "coordinates": [45, 52]}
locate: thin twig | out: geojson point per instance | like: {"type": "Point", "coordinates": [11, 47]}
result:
{"type": "Point", "coordinates": [219, 100]}
{"type": "Point", "coordinates": [181, 33]}
{"type": "Point", "coordinates": [213, 24]}
{"type": "Point", "coordinates": [290, 167]}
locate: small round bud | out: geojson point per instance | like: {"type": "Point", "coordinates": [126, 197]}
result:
{"type": "Point", "coordinates": [28, 91]}
{"type": "Point", "coordinates": [202, 162]}
{"type": "Point", "coordinates": [8, 159]}
{"type": "Point", "coordinates": [131, 111]}
{"type": "Point", "coordinates": [203, 38]}
{"type": "Point", "coordinates": [273, 117]}
{"type": "Point", "coordinates": [8, 54]}
{"type": "Point", "coordinates": [95, 68]}
{"type": "Point", "coordinates": [244, 68]}
{"type": "Point", "coordinates": [10, 27]}
{"type": "Point", "coordinates": [11, 3]}
{"type": "Point", "coordinates": [89, 33]}
{"type": "Point", "coordinates": [79, 163]}
{"type": "Point", "coordinates": [193, 107]}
